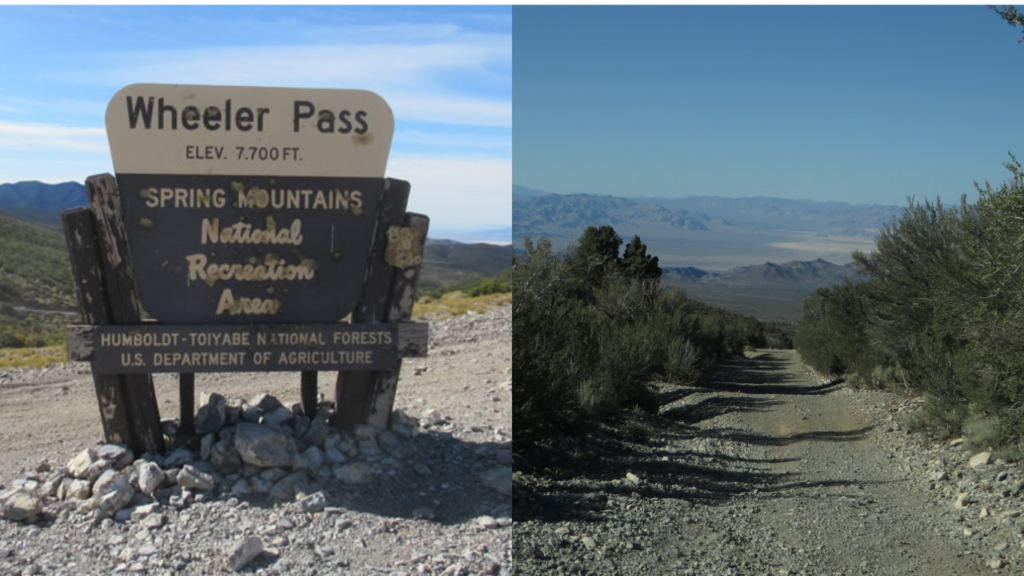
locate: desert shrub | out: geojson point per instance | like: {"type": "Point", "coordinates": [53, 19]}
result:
{"type": "Point", "coordinates": [636, 428]}
{"type": "Point", "coordinates": [497, 285]}
{"type": "Point", "coordinates": [942, 308]}
{"type": "Point", "coordinates": [683, 361]}
{"type": "Point", "coordinates": [590, 334]}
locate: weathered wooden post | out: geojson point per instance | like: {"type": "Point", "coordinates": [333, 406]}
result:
{"type": "Point", "coordinates": [248, 222]}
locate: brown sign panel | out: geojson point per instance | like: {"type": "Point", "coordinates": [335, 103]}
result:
{"type": "Point", "coordinates": [220, 249]}
{"type": "Point", "coordinates": [267, 347]}
{"type": "Point", "coordinates": [248, 205]}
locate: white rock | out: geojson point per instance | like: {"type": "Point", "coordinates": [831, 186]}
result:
{"type": "Point", "coordinates": [354, 473]}
{"type": "Point", "coordinates": [403, 430]}
{"type": "Point", "coordinates": [318, 431]}
{"type": "Point", "coordinates": [243, 553]}
{"type": "Point", "coordinates": [260, 485]}
{"type": "Point", "coordinates": [118, 454]}
{"type": "Point", "coordinates": [224, 454]}
{"type": "Point", "coordinates": [273, 474]}
{"type": "Point", "coordinates": [79, 465]}
{"type": "Point", "coordinates": [97, 468]}
{"type": "Point", "coordinates": [206, 446]}
{"type": "Point", "coordinates": [979, 459]}
{"type": "Point", "coordinates": [263, 446]}
{"type": "Point", "coordinates": [179, 457]}
{"type": "Point", "coordinates": [77, 489]}
{"type": "Point", "coordinates": [192, 477]}
{"type": "Point", "coordinates": [498, 479]}
{"type": "Point", "coordinates": [150, 477]}
{"type": "Point", "coordinates": [241, 487]}
{"type": "Point", "coordinates": [431, 418]}
{"type": "Point", "coordinates": [111, 492]}
{"type": "Point", "coordinates": [632, 479]}
{"type": "Point", "coordinates": [278, 416]}
{"type": "Point", "coordinates": [334, 456]}
{"type": "Point", "coordinates": [211, 415]}
{"type": "Point", "coordinates": [153, 521]}
{"type": "Point", "coordinates": [314, 502]}
{"type": "Point", "coordinates": [313, 458]}
{"type": "Point", "coordinates": [22, 507]}
{"type": "Point", "coordinates": [140, 512]}
{"type": "Point", "coordinates": [424, 513]}
{"type": "Point", "coordinates": [264, 402]}
{"type": "Point", "coordinates": [368, 448]}
{"type": "Point", "coordinates": [388, 439]}
{"type": "Point", "coordinates": [284, 489]}
{"type": "Point", "coordinates": [996, 563]}
{"type": "Point", "coordinates": [49, 488]}
{"type": "Point", "coordinates": [963, 500]}
{"type": "Point", "coordinates": [487, 522]}
{"type": "Point", "coordinates": [364, 432]}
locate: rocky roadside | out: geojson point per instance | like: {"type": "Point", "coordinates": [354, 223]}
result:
{"type": "Point", "coordinates": [272, 491]}
{"type": "Point", "coordinates": [768, 470]}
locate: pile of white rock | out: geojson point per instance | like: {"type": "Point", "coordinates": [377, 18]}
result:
{"type": "Point", "coordinates": [258, 447]}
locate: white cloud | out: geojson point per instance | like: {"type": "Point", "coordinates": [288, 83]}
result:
{"type": "Point", "coordinates": [21, 105]}
{"type": "Point", "coordinates": [451, 140]}
{"type": "Point", "coordinates": [420, 82]}
{"type": "Point", "coordinates": [22, 135]}
{"type": "Point", "coordinates": [457, 191]}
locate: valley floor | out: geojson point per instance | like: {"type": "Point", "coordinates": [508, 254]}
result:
{"type": "Point", "coordinates": [767, 470]}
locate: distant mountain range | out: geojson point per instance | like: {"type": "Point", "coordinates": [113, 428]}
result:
{"type": "Point", "coordinates": [41, 203]}
{"type": "Point", "coordinates": [708, 233]}
{"type": "Point", "coordinates": [706, 244]}
{"type": "Point", "coordinates": [768, 291]}
{"type": "Point", "coordinates": [816, 274]}
{"type": "Point", "coordinates": [536, 214]}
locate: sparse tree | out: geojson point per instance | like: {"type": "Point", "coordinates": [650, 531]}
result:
{"type": "Point", "coordinates": [636, 263]}
{"type": "Point", "coordinates": [1011, 15]}
{"type": "Point", "coordinates": [595, 256]}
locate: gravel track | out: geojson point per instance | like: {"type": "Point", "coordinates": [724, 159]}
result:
{"type": "Point", "coordinates": [766, 470]}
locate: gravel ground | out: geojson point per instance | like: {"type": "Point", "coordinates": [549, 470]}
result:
{"type": "Point", "coordinates": [430, 512]}
{"type": "Point", "coordinates": [767, 470]}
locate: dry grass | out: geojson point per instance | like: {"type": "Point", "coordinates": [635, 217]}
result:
{"type": "Point", "coordinates": [456, 304]}
{"type": "Point", "coordinates": [32, 357]}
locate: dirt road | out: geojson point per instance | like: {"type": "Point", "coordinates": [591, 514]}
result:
{"type": "Point", "coordinates": [765, 470]}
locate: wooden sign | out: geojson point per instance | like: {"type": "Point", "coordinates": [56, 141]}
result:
{"type": "Point", "coordinates": [242, 348]}
{"type": "Point", "coordinates": [249, 222]}
{"type": "Point", "coordinates": [246, 205]}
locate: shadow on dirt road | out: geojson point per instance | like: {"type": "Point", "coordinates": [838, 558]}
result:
{"type": "Point", "coordinates": [574, 477]}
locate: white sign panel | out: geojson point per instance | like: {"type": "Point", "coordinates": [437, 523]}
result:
{"type": "Point", "coordinates": [229, 130]}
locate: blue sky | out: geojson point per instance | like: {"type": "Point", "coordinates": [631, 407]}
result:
{"type": "Point", "coordinates": [855, 104]}
{"type": "Point", "coordinates": [445, 71]}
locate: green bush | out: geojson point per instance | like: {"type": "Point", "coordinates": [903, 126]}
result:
{"type": "Point", "coordinates": [589, 335]}
{"type": "Point", "coordinates": [941, 313]}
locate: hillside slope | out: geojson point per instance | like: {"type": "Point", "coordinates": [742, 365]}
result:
{"type": "Point", "coordinates": [446, 262]}
{"type": "Point", "coordinates": [34, 268]}
{"type": "Point", "coordinates": [768, 291]}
